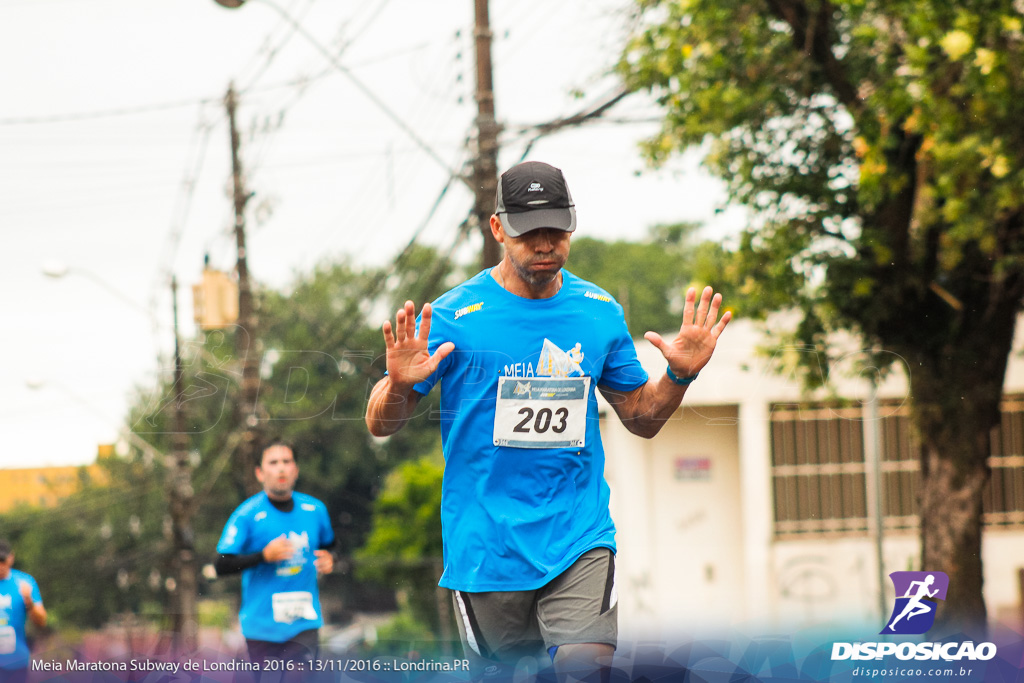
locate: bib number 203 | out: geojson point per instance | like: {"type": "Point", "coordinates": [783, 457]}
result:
{"type": "Point", "coordinates": [544, 419]}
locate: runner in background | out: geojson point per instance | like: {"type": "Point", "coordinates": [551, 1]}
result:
{"type": "Point", "coordinates": [281, 541]}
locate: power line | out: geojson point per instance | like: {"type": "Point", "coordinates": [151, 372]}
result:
{"type": "Point", "coordinates": [576, 119]}
{"type": "Point", "coordinates": [170, 105]}
{"type": "Point", "coordinates": [272, 52]}
{"type": "Point", "coordinates": [183, 205]}
{"type": "Point", "coordinates": [105, 113]}
{"type": "Point", "coordinates": [395, 118]}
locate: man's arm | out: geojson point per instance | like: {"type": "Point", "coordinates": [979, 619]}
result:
{"type": "Point", "coordinates": [277, 550]}
{"type": "Point", "coordinates": [644, 410]}
{"type": "Point", "coordinates": [409, 362]}
{"type": "Point", "coordinates": [390, 407]}
{"type": "Point", "coordinates": [33, 609]}
{"type": "Point", "coordinates": [227, 563]}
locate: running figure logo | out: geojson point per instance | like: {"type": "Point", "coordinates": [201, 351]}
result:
{"type": "Point", "coordinates": [916, 592]}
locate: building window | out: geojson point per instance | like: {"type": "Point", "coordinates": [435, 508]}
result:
{"type": "Point", "coordinates": [820, 479]}
{"type": "Point", "coordinates": [1003, 503]}
{"type": "Point", "coordinates": [818, 469]}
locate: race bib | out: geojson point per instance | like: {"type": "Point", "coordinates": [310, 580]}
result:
{"type": "Point", "coordinates": [292, 606]}
{"type": "Point", "coordinates": [8, 640]}
{"type": "Point", "coordinates": [541, 412]}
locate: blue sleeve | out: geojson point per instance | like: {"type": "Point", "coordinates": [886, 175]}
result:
{"type": "Point", "coordinates": [326, 531]}
{"type": "Point", "coordinates": [36, 595]}
{"type": "Point", "coordinates": [236, 533]}
{"type": "Point", "coordinates": [621, 370]}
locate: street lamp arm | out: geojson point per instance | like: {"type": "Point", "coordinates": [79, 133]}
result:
{"type": "Point", "coordinates": [57, 270]}
{"type": "Point", "coordinates": [36, 384]}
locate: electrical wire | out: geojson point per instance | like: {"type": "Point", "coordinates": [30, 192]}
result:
{"type": "Point", "coordinates": [180, 213]}
{"type": "Point", "coordinates": [105, 113]}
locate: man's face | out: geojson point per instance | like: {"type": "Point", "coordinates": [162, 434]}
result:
{"type": "Point", "coordinates": [538, 255]}
{"type": "Point", "coordinates": [5, 566]}
{"type": "Point", "coordinates": [278, 472]}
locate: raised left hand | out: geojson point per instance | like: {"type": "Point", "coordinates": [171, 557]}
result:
{"type": "Point", "coordinates": [692, 348]}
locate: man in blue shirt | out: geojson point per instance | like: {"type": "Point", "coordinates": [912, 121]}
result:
{"type": "Point", "coordinates": [19, 600]}
{"type": "Point", "coordinates": [520, 350]}
{"type": "Point", "coordinates": [281, 541]}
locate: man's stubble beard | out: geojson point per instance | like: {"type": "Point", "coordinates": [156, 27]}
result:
{"type": "Point", "coordinates": [539, 279]}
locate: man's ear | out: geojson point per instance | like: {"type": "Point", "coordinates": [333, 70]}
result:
{"type": "Point", "coordinates": [497, 229]}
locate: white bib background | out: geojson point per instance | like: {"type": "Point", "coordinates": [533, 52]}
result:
{"type": "Point", "coordinates": [289, 607]}
{"type": "Point", "coordinates": [8, 640]}
{"type": "Point", "coordinates": [541, 412]}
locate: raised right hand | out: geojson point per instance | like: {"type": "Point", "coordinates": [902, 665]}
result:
{"type": "Point", "coordinates": [408, 360]}
{"type": "Point", "coordinates": [277, 550]}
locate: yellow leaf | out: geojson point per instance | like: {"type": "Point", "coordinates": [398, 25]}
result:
{"type": "Point", "coordinates": [1000, 166]}
{"type": "Point", "coordinates": [860, 147]}
{"type": "Point", "coordinates": [985, 59]}
{"type": "Point", "coordinates": [956, 44]}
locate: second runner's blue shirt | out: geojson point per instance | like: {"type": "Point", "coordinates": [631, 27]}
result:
{"type": "Point", "coordinates": [279, 600]}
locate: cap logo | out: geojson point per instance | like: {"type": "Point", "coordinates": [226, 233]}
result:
{"type": "Point", "coordinates": [535, 187]}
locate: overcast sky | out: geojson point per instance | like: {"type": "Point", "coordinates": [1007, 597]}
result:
{"type": "Point", "coordinates": [116, 166]}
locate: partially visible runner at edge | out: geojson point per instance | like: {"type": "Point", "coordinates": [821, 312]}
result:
{"type": "Point", "coordinates": [20, 601]}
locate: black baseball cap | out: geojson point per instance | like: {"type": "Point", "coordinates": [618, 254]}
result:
{"type": "Point", "coordinates": [534, 195]}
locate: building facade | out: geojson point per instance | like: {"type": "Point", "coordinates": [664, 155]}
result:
{"type": "Point", "coordinates": [756, 504]}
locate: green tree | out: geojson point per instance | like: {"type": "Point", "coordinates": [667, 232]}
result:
{"type": "Point", "coordinates": [879, 146]}
{"type": "Point", "coordinates": [649, 277]}
{"type": "Point", "coordinates": [91, 556]}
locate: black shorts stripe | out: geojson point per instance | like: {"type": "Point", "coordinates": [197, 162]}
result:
{"type": "Point", "coordinates": [609, 584]}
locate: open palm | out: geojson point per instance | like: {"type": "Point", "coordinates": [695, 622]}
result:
{"type": "Point", "coordinates": [692, 347]}
{"type": "Point", "coordinates": [408, 358]}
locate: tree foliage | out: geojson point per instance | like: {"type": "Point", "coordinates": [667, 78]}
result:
{"type": "Point", "coordinates": [320, 350]}
{"type": "Point", "coordinates": [91, 556]}
{"type": "Point", "coordinates": [649, 277]}
{"type": "Point", "coordinates": [879, 145]}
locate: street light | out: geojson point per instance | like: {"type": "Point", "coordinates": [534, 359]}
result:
{"type": "Point", "coordinates": [38, 383]}
{"type": "Point", "coordinates": [58, 270]}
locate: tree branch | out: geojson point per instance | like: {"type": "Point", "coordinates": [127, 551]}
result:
{"type": "Point", "coordinates": [812, 36]}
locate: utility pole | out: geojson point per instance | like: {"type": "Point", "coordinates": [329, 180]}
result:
{"type": "Point", "coordinates": [485, 165]}
{"type": "Point", "coordinates": [181, 503]}
{"type": "Point", "coordinates": [245, 337]}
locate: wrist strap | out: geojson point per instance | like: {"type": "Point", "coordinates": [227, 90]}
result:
{"type": "Point", "coordinates": [681, 381]}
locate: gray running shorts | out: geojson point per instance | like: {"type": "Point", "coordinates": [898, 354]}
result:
{"type": "Point", "coordinates": [500, 628]}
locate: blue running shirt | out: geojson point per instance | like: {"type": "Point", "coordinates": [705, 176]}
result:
{"type": "Point", "coordinates": [279, 600]}
{"type": "Point", "coordinates": [14, 653]}
{"type": "Point", "coordinates": [524, 493]}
